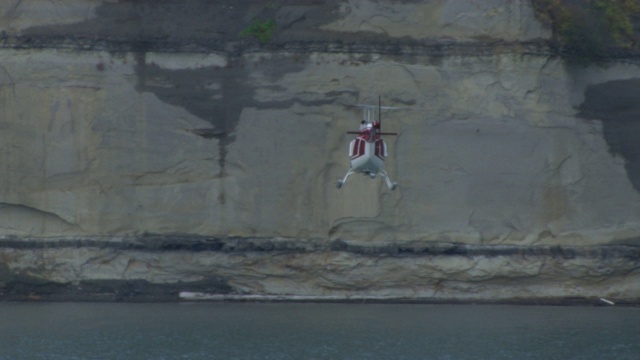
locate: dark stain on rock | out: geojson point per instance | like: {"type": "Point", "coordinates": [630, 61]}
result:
{"type": "Point", "coordinates": [205, 26]}
{"type": "Point", "coordinates": [168, 21]}
{"type": "Point", "coordinates": [197, 21]}
{"type": "Point", "coordinates": [207, 133]}
{"type": "Point", "coordinates": [212, 94]}
{"type": "Point", "coordinates": [216, 95]}
{"type": "Point", "coordinates": [617, 105]}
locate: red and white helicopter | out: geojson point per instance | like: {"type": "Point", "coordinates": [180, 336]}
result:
{"type": "Point", "coordinates": [368, 151]}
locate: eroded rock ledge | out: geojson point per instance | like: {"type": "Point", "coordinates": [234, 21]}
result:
{"type": "Point", "coordinates": [198, 243]}
{"type": "Point", "coordinates": [161, 268]}
{"type": "Point", "coordinates": [404, 47]}
{"type": "Point", "coordinates": [434, 47]}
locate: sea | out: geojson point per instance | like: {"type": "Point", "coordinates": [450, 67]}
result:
{"type": "Point", "coordinates": [238, 330]}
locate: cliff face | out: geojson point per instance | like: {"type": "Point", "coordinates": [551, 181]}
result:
{"type": "Point", "coordinates": [124, 118]}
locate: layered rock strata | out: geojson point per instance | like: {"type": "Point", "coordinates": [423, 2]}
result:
{"type": "Point", "coordinates": [191, 268]}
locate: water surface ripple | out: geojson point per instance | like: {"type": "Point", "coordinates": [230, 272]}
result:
{"type": "Point", "coordinates": [315, 331]}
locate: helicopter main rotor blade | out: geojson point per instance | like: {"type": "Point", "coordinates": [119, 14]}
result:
{"type": "Point", "coordinates": [381, 133]}
{"type": "Point", "coordinates": [369, 106]}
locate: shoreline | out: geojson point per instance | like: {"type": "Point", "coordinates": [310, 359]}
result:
{"type": "Point", "coordinates": [200, 298]}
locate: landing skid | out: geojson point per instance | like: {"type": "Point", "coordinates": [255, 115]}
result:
{"type": "Point", "coordinates": [391, 185]}
{"type": "Point", "coordinates": [344, 180]}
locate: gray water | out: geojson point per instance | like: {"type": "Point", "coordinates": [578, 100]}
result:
{"type": "Point", "coordinates": [315, 331]}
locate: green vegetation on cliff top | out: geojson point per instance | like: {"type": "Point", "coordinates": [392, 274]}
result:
{"type": "Point", "coordinates": [589, 30]}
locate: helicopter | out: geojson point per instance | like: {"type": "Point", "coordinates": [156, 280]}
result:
{"type": "Point", "coordinates": [368, 151]}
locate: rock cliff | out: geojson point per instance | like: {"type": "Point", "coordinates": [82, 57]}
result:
{"type": "Point", "coordinates": [149, 148]}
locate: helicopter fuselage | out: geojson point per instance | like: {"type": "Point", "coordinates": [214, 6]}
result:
{"type": "Point", "coordinates": [367, 156]}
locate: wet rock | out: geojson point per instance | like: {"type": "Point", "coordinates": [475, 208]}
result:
{"type": "Point", "coordinates": [616, 104]}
